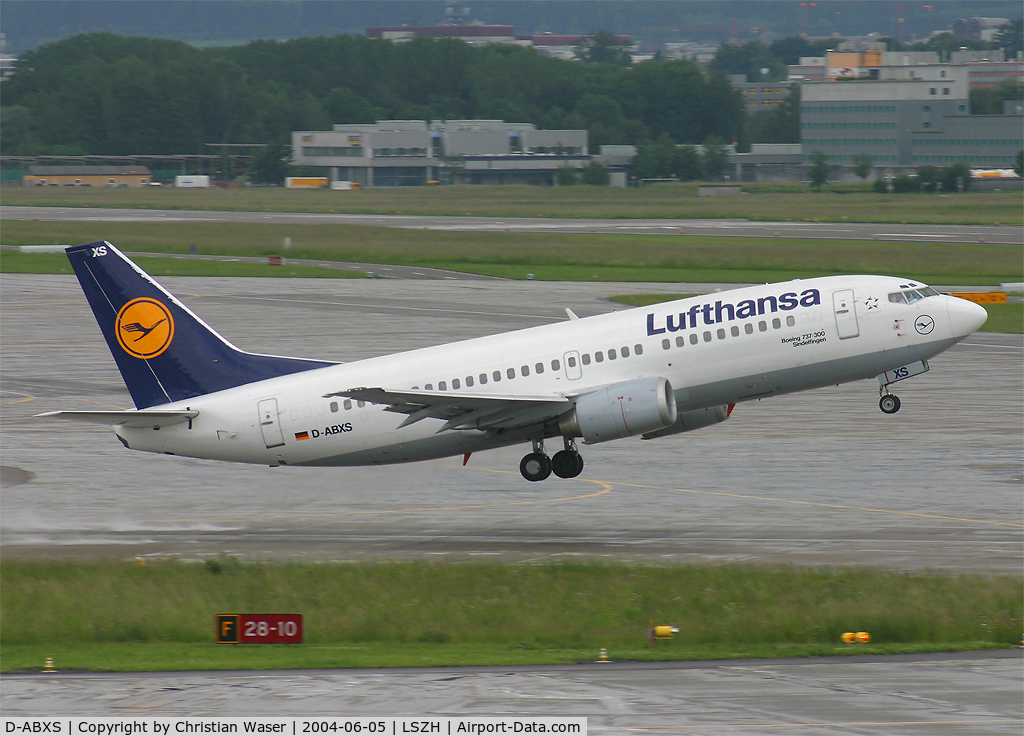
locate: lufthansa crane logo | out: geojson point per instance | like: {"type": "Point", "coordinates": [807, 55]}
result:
{"type": "Point", "coordinates": [144, 328]}
{"type": "Point", "coordinates": [924, 324]}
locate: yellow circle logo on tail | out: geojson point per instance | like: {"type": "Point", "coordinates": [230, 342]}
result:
{"type": "Point", "coordinates": [144, 328]}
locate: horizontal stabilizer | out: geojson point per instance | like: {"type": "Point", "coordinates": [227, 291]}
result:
{"type": "Point", "coordinates": [143, 419]}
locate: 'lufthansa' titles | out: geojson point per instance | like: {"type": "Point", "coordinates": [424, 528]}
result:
{"type": "Point", "coordinates": [713, 314]}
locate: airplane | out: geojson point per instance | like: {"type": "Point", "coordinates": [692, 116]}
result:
{"type": "Point", "coordinates": [650, 372]}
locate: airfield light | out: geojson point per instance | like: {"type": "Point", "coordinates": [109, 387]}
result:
{"type": "Point", "coordinates": [849, 637]}
{"type": "Point", "coordinates": [863, 637]}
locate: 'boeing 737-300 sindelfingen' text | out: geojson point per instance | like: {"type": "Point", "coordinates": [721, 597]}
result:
{"type": "Point", "coordinates": [653, 372]}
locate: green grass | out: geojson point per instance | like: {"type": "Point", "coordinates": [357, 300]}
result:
{"type": "Point", "coordinates": [573, 257]}
{"type": "Point", "coordinates": [1001, 317]}
{"type": "Point", "coordinates": [843, 203]}
{"type": "Point", "coordinates": [1004, 318]}
{"type": "Point", "coordinates": [118, 615]}
{"type": "Point", "coordinates": [17, 262]}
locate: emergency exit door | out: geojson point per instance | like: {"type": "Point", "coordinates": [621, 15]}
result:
{"type": "Point", "coordinates": [269, 423]}
{"type": "Point", "coordinates": [846, 314]}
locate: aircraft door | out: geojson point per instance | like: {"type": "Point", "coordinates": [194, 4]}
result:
{"type": "Point", "coordinates": [846, 314]}
{"type": "Point", "coordinates": [573, 369]}
{"type": "Point", "coordinates": [269, 423]}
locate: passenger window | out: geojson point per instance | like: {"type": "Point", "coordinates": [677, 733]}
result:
{"type": "Point", "coordinates": [790, 320]}
{"type": "Point", "coordinates": [638, 349]}
{"type": "Point", "coordinates": [525, 370]}
{"type": "Point", "coordinates": [707, 337]}
{"type": "Point", "coordinates": [469, 381]}
{"type": "Point", "coordinates": [585, 358]}
{"type": "Point", "coordinates": [680, 341]}
{"type": "Point", "coordinates": [456, 383]}
{"type": "Point", "coordinates": [599, 356]}
{"type": "Point", "coordinates": [693, 339]}
{"type": "Point", "coordinates": [347, 404]}
{"type": "Point", "coordinates": [483, 379]}
{"type": "Point", "coordinates": [612, 355]}
{"type": "Point", "coordinates": [428, 387]}
{"type": "Point", "coordinates": [897, 298]}
{"type": "Point", "coordinates": [442, 386]}
{"type": "Point", "coordinates": [360, 404]}
{"type": "Point", "coordinates": [762, 326]}
{"type": "Point", "coordinates": [748, 328]}
{"type": "Point", "coordinates": [776, 323]}
{"type": "Point", "coordinates": [625, 352]}
{"type": "Point", "coordinates": [539, 368]}
{"type": "Point", "coordinates": [721, 333]}
{"type": "Point", "coordinates": [496, 376]}
{"type": "Point", "coordinates": [665, 344]}
{"type": "Point", "coordinates": [734, 331]}
{"type": "Point", "coordinates": [555, 365]}
{"type": "Point", "coordinates": [511, 373]}
{"type": "Point", "coordinates": [570, 361]}
{"type": "Point", "coordinates": [334, 406]}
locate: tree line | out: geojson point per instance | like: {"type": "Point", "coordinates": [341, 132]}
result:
{"type": "Point", "coordinates": [105, 94]}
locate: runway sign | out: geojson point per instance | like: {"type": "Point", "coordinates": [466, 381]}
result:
{"type": "Point", "coordinates": [983, 297]}
{"type": "Point", "coordinates": [259, 628]}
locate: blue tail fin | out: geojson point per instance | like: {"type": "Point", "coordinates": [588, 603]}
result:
{"type": "Point", "coordinates": [164, 352]}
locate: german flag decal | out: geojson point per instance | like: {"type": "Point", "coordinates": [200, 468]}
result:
{"type": "Point", "coordinates": [302, 435]}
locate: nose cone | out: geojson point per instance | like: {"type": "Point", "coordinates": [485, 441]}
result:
{"type": "Point", "coordinates": [965, 317]}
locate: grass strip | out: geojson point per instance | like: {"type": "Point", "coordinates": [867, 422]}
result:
{"type": "Point", "coordinates": [16, 262]}
{"type": "Point", "coordinates": [1001, 317]}
{"type": "Point", "coordinates": [165, 657]}
{"type": "Point", "coordinates": [121, 615]}
{"type": "Point", "coordinates": [838, 203]}
{"type": "Point", "coordinates": [550, 256]}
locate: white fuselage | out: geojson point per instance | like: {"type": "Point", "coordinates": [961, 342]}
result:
{"type": "Point", "coordinates": [716, 349]}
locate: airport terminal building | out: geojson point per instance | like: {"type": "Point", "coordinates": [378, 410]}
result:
{"type": "Point", "coordinates": [393, 153]}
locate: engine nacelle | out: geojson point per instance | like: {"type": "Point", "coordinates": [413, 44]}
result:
{"type": "Point", "coordinates": [621, 410]}
{"type": "Point", "coordinates": [687, 421]}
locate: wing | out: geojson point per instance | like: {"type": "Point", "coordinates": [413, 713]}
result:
{"type": "Point", "coordinates": [144, 418]}
{"type": "Point", "coordinates": [464, 411]}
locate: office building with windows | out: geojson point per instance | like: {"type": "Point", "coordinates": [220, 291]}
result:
{"type": "Point", "coordinates": [393, 153]}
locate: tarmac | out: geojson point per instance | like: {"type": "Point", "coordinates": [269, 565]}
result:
{"type": "Point", "coordinates": [818, 478]}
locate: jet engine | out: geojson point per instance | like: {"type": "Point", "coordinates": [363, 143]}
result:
{"type": "Point", "coordinates": [621, 410]}
{"type": "Point", "coordinates": [687, 421]}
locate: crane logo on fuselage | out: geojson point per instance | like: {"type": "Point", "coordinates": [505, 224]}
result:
{"type": "Point", "coordinates": [144, 328]}
{"type": "Point", "coordinates": [713, 314]}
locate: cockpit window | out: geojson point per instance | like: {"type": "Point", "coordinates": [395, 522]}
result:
{"type": "Point", "coordinates": [909, 296]}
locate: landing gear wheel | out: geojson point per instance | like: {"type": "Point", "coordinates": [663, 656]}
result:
{"type": "Point", "coordinates": [567, 464]}
{"type": "Point", "coordinates": [889, 404]}
{"type": "Point", "coordinates": [535, 466]}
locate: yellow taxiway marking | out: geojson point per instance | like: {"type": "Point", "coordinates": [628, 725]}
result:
{"type": "Point", "coordinates": [28, 397]}
{"type": "Point", "coordinates": [605, 488]}
{"type": "Point", "coordinates": [824, 505]}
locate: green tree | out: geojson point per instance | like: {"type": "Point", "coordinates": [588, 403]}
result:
{"type": "Point", "coordinates": [862, 165]}
{"type": "Point", "coordinates": [565, 176]}
{"type": "Point", "coordinates": [687, 164]}
{"type": "Point", "coordinates": [716, 157]}
{"type": "Point", "coordinates": [1010, 37]}
{"type": "Point", "coordinates": [956, 175]}
{"type": "Point", "coordinates": [600, 47]}
{"type": "Point", "coordinates": [781, 124]}
{"type": "Point", "coordinates": [16, 124]}
{"type": "Point", "coordinates": [596, 175]}
{"type": "Point", "coordinates": [819, 171]}
{"type": "Point", "coordinates": [989, 100]}
{"type": "Point", "coordinates": [1018, 163]}
{"type": "Point", "coordinates": [270, 164]}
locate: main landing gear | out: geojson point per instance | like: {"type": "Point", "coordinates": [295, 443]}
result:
{"type": "Point", "coordinates": [566, 463]}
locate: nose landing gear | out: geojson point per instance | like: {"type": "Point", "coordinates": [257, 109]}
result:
{"type": "Point", "coordinates": [537, 465]}
{"type": "Point", "coordinates": [889, 403]}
